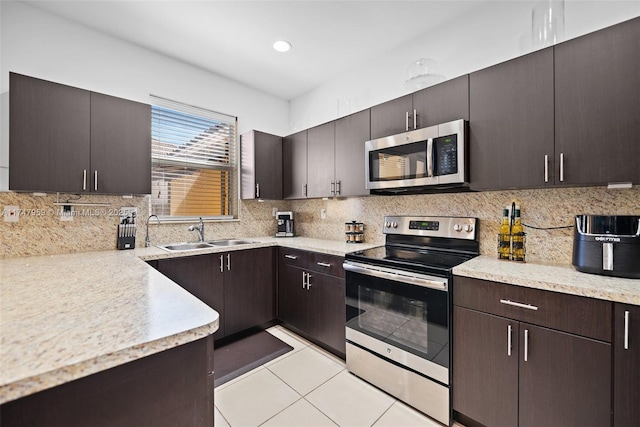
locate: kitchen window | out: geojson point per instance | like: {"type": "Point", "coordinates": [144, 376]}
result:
{"type": "Point", "coordinates": [194, 167]}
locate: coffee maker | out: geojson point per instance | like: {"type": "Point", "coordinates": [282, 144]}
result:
{"type": "Point", "coordinates": [285, 224]}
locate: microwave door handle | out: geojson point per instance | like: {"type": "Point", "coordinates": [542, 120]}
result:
{"type": "Point", "coordinates": [430, 157]}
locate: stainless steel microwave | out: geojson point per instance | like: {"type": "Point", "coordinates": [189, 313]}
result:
{"type": "Point", "coordinates": [418, 161]}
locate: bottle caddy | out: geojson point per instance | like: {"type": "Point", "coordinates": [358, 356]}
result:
{"type": "Point", "coordinates": [511, 237]}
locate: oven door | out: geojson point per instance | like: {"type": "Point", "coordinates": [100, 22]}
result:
{"type": "Point", "coordinates": [400, 316]}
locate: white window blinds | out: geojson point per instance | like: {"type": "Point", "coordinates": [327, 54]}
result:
{"type": "Point", "coordinates": [194, 168]}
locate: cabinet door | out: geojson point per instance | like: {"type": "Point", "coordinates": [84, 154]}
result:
{"type": "Point", "coordinates": [565, 380]}
{"type": "Point", "coordinates": [443, 102]}
{"type": "Point", "coordinates": [390, 118]}
{"type": "Point", "coordinates": [120, 146]}
{"type": "Point", "coordinates": [626, 364]}
{"type": "Point", "coordinates": [321, 160]}
{"type": "Point", "coordinates": [248, 289]}
{"type": "Point", "coordinates": [351, 133]}
{"type": "Point", "coordinates": [485, 369]}
{"type": "Point", "coordinates": [201, 276]}
{"type": "Point", "coordinates": [49, 134]}
{"type": "Point", "coordinates": [294, 165]}
{"type": "Point", "coordinates": [293, 298]}
{"type": "Point", "coordinates": [261, 158]}
{"type": "Point", "coordinates": [596, 106]}
{"type": "Point", "coordinates": [332, 316]}
{"type": "Point", "coordinates": [511, 123]}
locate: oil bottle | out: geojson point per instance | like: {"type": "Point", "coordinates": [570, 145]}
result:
{"type": "Point", "coordinates": [504, 238]}
{"type": "Point", "coordinates": [517, 231]}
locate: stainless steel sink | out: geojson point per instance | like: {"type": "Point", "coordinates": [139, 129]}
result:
{"type": "Point", "coordinates": [230, 242]}
{"type": "Point", "coordinates": [185, 246]}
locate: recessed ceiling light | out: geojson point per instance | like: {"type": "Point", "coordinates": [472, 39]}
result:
{"type": "Point", "coordinates": [282, 45]}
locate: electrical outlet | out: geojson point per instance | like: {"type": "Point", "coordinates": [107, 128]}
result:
{"type": "Point", "coordinates": [323, 213]}
{"type": "Point", "coordinates": [11, 213]}
{"type": "Point", "coordinates": [66, 213]}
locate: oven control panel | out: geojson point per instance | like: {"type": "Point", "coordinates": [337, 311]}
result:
{"type": "Point", "coordinates": [449, 227]}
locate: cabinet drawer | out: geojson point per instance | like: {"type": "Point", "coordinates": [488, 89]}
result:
{"type": "Point", "coordinates": [569, 313]}
{"type": "Point", "coordinates": [294, 257]}
{"type": "Point", "coordinates": [327, 264]}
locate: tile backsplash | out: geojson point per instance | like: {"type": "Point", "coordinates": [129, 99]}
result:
{"type": "Point", "coordinates": [40, 231]}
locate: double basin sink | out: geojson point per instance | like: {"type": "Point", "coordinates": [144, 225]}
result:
{"type": "Point", "coordinates": [174, 247]}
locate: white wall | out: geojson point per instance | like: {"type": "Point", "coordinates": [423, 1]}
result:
{"type": "Point", "coordinates": [39, 44]}
{"type": "Point", "coordinates": [489, 34]}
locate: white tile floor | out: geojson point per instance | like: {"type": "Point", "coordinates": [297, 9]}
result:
{"type": "Point", "coordinates": [308, 387]}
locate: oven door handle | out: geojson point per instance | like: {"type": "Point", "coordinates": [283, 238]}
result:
{"type": "Point", "coordinates": [397, 276]}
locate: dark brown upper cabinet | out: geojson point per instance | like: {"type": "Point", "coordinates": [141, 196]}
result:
{"type": "Point", "coordinates": [294, 161]}
{"type": "Point", "coordinates": [351, 133]}
{"type": "Point", "coordinates": [511, 124]}
{"type": "Point", "coordinates": [49, 134]}
{"type": "Point", "coordinates": [261, 164]}
{"type": "Point", "coordinates": [392, 117]}
{"type": "Point", "coordinates": [120, 146]}
{"type": "Point", "coordinates": [436, 104]}
{"type": "Point", "coordinates": [65, 139]}
{"type": "Point", "coordinates": [321, 161]}
{"type": "Point", "coordinates": [442, 103]}
{"type": "Point", "coordinates": [597, 106]}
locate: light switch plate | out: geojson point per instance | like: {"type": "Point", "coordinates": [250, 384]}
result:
{"type": "Point", "coordinates": [11, 213]}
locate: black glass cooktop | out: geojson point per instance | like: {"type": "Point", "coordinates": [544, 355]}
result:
{"type": "Point", "coordinates": [420, 259]}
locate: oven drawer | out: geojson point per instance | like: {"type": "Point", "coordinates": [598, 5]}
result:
{"type": "Point", "coordinates": [583, 316]}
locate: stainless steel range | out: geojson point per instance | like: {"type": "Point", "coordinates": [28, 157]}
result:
{"type": "Point", "coordinates": [399, 308]}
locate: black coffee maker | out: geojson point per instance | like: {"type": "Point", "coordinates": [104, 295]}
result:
{"type": "Point", "coordinates": [285, 224]}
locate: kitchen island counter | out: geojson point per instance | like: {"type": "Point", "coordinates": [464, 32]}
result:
{"type": "Point", "coordinates": [550, 277]}
{"type": "Point", "coordinates": [65, 317]}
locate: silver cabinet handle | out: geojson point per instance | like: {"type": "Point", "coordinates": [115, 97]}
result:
{"type": "Point", "coordinates": [338, 185]}
{"type": "Point", "coordinates": [415, 119]}
{"type": "Point", "coordinates": [221, 263]}
{"type": "Point", "coordinates": [84, 180]}
{"type": "Point", "coordinates": [406, 122]}
{"type": "Point", "coordinates": [95, 180]}
{"type": "Point", "coordinates": [304, 279]}
{"type": "Point", "coordinates": [304, 190]}
{"type": "Point", "coordinates": [626, 330]}
{"type": "Point", "coordinates": [228, 262]}
{"type": "Point", "coordinates": [546, 168]}
{"type": "Point", "coordinates": [561, 167]}
{"type": "Point", "coordinates": [526, 345]}
{"type": "Point", "coordinates": [518, 304]}
{"type": "Point", "coordinates": [333, 188]}
{"type": "Point", "coordinates": [323, 264]}
{"type": "Point", "coordinates": [308, 280]}
{"type": "Point", "coordinates": [509, 338]}
{"type": "Point", "coordinates": [257, 190]}
{"type": "Point", "coordinates": [291, 256]}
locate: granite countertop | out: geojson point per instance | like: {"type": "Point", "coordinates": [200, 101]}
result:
{"type": "Point", "coordinates": [63, 317]}
{"type": "Point", "coordinates": [564, 279]}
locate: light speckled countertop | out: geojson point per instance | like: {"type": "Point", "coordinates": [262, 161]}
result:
{"type": "Point", "coordinates": [564, 279]}
{"type": "Point", "coordinates": [63, 317]}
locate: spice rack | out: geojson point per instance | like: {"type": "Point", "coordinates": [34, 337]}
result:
{"type": "Point", "coordinates": [354, 232]}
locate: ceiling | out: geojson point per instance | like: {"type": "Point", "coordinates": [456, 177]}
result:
{"type": "Point", "coordinates": [234, 38]}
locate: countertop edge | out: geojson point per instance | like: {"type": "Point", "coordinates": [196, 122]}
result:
{"type": "Point", "coordinates": [43, 381]}
{"type": "Point", "coordinates": [554, 278]}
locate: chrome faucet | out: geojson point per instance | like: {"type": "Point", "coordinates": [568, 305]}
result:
{"type": "Point", "coordinates": [199, 229]}
{"type": "Point", "coordinates": [147, 242]}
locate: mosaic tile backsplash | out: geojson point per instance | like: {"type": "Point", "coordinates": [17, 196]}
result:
{"type": "Point", "coordinates": [45, 234]}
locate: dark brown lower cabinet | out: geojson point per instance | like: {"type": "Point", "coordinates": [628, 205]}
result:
{"type": "Point", "coordinates": [239, 285]}
{"type": "Point", "coordinates": [526, 357]}
{"type": "Point", "coordinates": [626, 365]}
{"type": "Point", "coordinates": [171, 388]}
{"type": "Point", "coordinates": [311, 301]}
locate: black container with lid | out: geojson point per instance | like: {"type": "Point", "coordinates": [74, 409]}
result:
{"type": "Point", "coordinates": [607, 245]}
